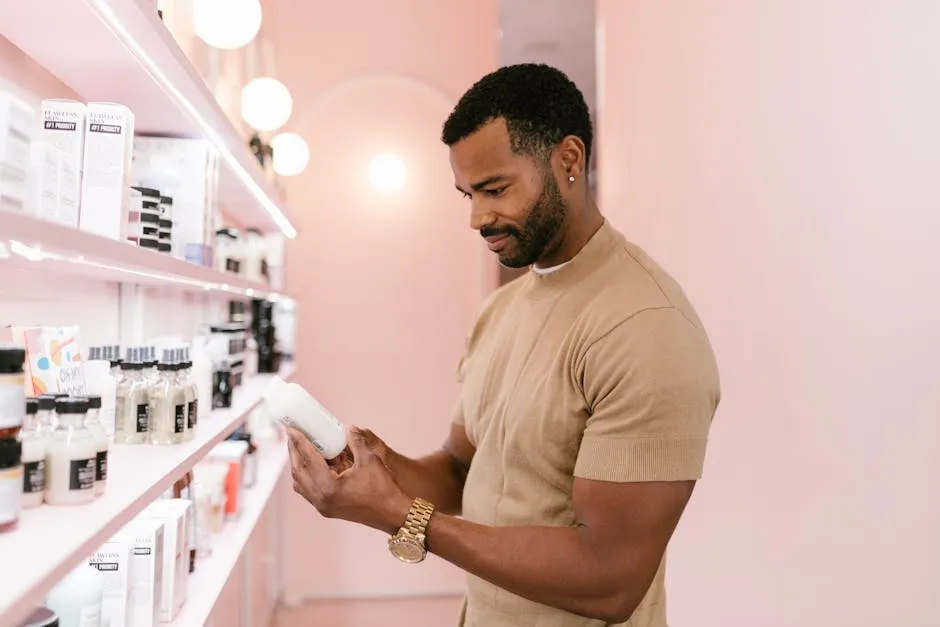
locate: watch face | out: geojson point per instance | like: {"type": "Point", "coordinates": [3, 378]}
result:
{"type": "Point", "coordinates": [407, 551]}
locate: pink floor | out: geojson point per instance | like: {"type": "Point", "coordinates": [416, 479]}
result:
{"type": "Point", "coordinates": [418, 612]}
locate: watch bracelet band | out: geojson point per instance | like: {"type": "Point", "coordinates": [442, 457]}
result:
{"type": "Point", "coordinates": [416, 523]}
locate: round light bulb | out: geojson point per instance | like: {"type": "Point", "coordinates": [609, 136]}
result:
{"type": "Point", "coordinates": [291, 154]}
{"type": "Point", "coordinates": [266, 104]}
{"type": "Point", "coordinates": [226, 24]}
{"type": "Point", "coordinates": [387, 172]}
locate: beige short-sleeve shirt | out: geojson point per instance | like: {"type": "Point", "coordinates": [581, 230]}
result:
{"type": "Point", "coordinates": [600, 370]}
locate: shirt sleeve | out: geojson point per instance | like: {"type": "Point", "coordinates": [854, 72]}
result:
{"type": "Point", "coordinates": [651, 386]}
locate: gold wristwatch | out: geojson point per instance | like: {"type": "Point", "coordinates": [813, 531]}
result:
{"type": "Point", "coordinates": [410, 543]}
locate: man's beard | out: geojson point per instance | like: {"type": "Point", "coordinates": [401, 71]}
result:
{"type": "Point", "coordinates": [545, 218]}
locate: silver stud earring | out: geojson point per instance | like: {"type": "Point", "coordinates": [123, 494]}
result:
{"type": "Point", "coordinates": [571, 179]}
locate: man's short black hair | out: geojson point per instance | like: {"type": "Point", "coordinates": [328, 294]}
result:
{"type": "Point", "coordinates": [540, 104]}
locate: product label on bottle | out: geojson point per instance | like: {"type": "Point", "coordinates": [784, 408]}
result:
{"type": "Point", "coordinates": [193, 416]}
{"type": "Point", "coordinates": [90, 616]}
{"type": "Point", "coordinates": [143, 418]}
{"type": "Point", "coordinates": [179, 419]}
{"type": "Point", "coordinates": [12, 402]}
{"type": "Point", "coordinates": [101, 466]}
{"type": "Point", "coordinates": [11, 486]}
{"type": "Point", "coordinates": [34, 476]}
{"type": "Point", "coordinates": [82, 474]}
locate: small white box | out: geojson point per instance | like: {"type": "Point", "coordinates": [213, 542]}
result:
{"type": "Point", "coordinates": [63, 126]}
{"type": "Point", "coordinates": [174, 513]}
{"type": "Point", "coordinates": [113, 561]}
{"type": "Point", "coordinates": [145, 536]}
{"type": "Point", "coordinates": [106, 165]}
{"type": "Point", "coordinates": [17, 124]}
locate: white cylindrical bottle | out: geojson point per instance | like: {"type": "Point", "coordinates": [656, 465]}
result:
{"type": "Point", "coordinates": [100, 436]}
{"type": "Point", "coordinates": [294, 407]}
{"type": "Point", "coordinates": [34, 456]}
{"type": "Point", "coordinates": [71, 456]}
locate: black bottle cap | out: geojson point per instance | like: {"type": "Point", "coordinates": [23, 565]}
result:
{"type": "Point", "coordinates": [12, 357]}
{"type": "Point", "coordinates": [11, 452]}
{"type": "Point", "coordinates": [71, 405]}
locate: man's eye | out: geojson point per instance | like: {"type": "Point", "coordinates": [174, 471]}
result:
{"type": "Point", "coordinates": [465, 195]}
{"type": "Point", "coordinates": [495, 192]}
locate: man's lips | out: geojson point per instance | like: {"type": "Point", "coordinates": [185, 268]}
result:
{"type": "Point", "coordinates": [496, 242]}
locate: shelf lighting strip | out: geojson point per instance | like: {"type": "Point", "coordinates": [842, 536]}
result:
{"type": "Point", "coordinates": [110, 19]}
{"type": "Point", "coordinates": [36, 254]}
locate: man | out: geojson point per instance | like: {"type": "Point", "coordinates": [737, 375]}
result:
{"type": "Point", "coordinates": [588, 387]}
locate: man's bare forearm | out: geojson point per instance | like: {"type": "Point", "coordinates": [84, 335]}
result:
{"type": "Point", "coordinates": [438, 478]}
{"type": "Point", "coordinates": [555, 566]}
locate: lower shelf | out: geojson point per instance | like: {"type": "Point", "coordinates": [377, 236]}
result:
{"type": "Point", "coordinates": [213, 572]}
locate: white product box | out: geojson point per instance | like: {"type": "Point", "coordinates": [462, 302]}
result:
{"type": "Point", "coordinates": [51, 183]}
{"type": "Point", "coordinates": [186, 170]}
{"type": "Point", "coordinates": [113, 561]}
{"type": "Point", "coordinates": [173, 589]}
{"type": "Point", "coordinates": [145, 536]}
{"type": "Point", "coordinates": [106, 166]}
{"type": "Point", "coordinates": [63, 126]}
{"type": "Point", "coordinates": [17, 124]}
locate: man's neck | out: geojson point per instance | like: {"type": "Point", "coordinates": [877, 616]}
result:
{"type": "Point", "coordinates": [578, 233]}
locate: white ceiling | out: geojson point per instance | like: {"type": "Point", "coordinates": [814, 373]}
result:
{"type": "Point", "coordinates": [557, 32]}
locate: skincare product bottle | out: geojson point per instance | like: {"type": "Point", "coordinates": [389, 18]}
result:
{"type": "Point", "coordinates": [132, 411]}
{"type": "Point", "coordinates": [71, 456]}
{"type": "Point", "coordinates": [180, 398]}
{"type": "Point", "coordinates": [34, 456]}
{"type": "Point", "coordinates": [11, 483]}
{"type": "Point", "coordinates": [97, 430]}
{"type": "Point", "coordinates": [166, 427]}
{"type": "Point", "coordinates": [188, 384]}
{"type": "Point", "coordinates": [12, 396]}
{"type": "Point", "coordinates": [12, 408]}
{"type": "Point", "coordinates": [294, 407]}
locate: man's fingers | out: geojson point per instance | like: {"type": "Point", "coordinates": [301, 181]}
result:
{"type": "Point", "coordinates": [358, 446]}
{"type": "Point", "coordinates": [306, 459]}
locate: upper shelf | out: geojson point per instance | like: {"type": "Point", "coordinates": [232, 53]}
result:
{"type": "Point", "coordinates": [120, 51]}
{"type": "Point", "coordinates": [28, 242]}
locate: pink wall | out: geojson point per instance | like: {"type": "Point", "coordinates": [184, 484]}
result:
{"type": "Point", "coordinates": [782, 158]}
{"type": "Point", "coordinates": [387, 284]}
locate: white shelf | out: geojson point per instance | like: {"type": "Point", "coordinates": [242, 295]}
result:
{"type": "Point", "coordinates": [28, 242]}
{"type": "Point", "coordinates": [120, 51]}
{"type": "Point", "coordinates": [212, 574]}
{"type": "Point", "coordinates": [51, 540]}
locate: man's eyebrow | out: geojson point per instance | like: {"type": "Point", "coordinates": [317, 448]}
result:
{"type": "Point", "coordinates": [498, 178]}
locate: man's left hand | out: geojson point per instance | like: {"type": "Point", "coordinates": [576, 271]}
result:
{"type": "Point", "coordinates": [364, 492]}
